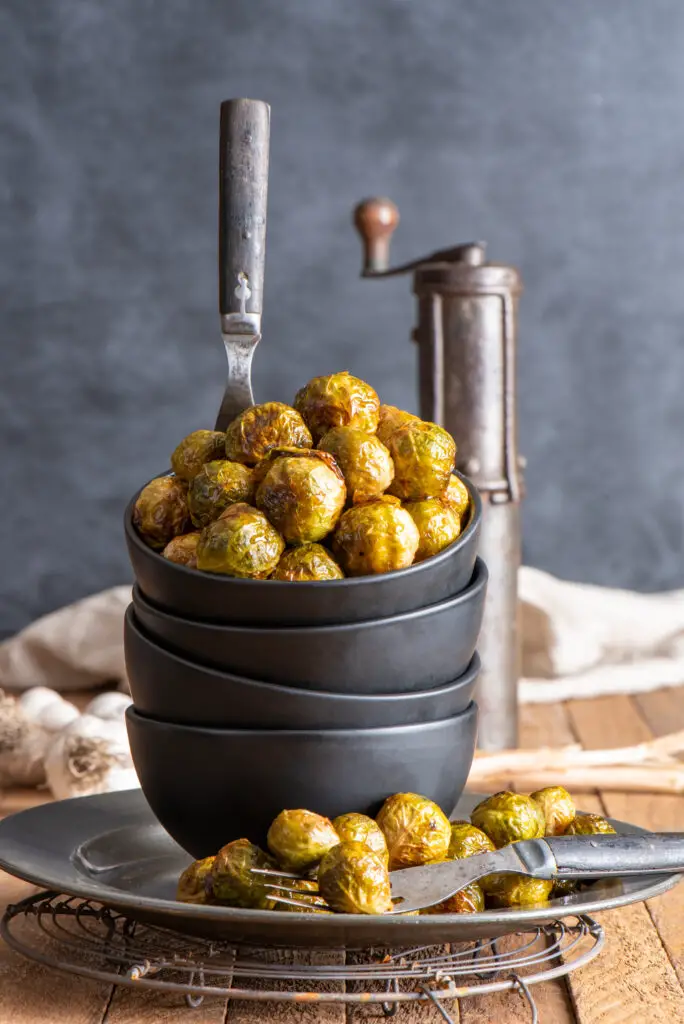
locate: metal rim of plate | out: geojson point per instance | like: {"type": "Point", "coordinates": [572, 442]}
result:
{"type": "Point", "coordinates": [92, 940]}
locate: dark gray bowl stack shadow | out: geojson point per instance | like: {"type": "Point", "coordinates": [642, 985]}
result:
{"type": "Point", "coordinates": [251, 696]}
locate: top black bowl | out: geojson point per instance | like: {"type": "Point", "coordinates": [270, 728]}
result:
{"type": "Point", "coordinates": [224, 599]}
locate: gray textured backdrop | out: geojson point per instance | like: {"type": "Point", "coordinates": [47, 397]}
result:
{"type": "Point", "coordinates": [554, 131]}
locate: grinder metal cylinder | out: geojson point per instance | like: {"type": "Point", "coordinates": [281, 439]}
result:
{"type": "Point", "coordinates": [466, 332]}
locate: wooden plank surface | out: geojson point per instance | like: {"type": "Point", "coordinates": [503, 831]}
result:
{"type": "Point", "coordinates": [638, 977]}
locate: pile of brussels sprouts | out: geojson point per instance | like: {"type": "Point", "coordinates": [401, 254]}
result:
{"type": "Point", "coordinates": [343, 865]}
{"type": "Point", "coordinates": [336, 485]}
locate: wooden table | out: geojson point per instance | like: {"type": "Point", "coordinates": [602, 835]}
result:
{"type": "Point", "coordinates": [638, 977]}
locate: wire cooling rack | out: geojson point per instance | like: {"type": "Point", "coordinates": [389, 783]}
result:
{"type": "Point", "coordinates": [95, 941]}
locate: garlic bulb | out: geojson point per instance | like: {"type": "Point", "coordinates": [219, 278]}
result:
{"type": "Point", "coordinates": [27, 728]}
{"type": "Point", "coordinates": [109, 705]}
{"type": "Point", "coordinates": [91, 755]}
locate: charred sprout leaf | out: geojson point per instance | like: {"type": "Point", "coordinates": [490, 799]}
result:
{"type": "Point", "coordinates": [298, 838]}
{"type": "Point", "coordinates": [389, 418]}
{"type": "Point", "coordinates": [262, 427]}
{"type": "Point", "coordinates": [338, 400]}
{"type": "Point", "coordinates": [194, 450]}
{"type": "Point", "coordinates": [365, 462]}
{"type": "Point", "coordinates": [358, 828]}
{"type": "Point", "coordinates": [564, 887]}
{"type": "Point", "coordinates": [192, 884]}
{"type": "Point", "coordinates": [231, 878]}
{"type": "Point", "coordinates": [457, 496]}
{"type": "Point", "coordinates": [303, 496]}
{"type": "Point", "coordinates": [240, 543]}
{"type": "Point", "coordinates": [438, 525]}
{"type": "Point", "coordinates": [354, 880]}
{"type": "Point", "coordinates": [183, 550]}
{"type": "Point", "coordinates": [509, 890]}
{"type": "Point", "coordinates": [558, 808]}
{"type": "Point", "coordinates": [423, 456]}
{"type": "Point", "coordinates": [218, 485]}
{"type": "Point", "coordinates": [507, 817]}
{"type": "Point", "coordinates": [376, 537]}
{"type": "Point", "coordinates": [589, 825]}
{"type": "Point", "coordinates": [466, 840]}
{"type": "Point", "coordinates": [415, 829]}
{"type": "Point", "coordinates": [307, 562]}
{"type": "Point", "coordinates": [469, 900]}
{"type": "Point", "coordinates": [161, 511]}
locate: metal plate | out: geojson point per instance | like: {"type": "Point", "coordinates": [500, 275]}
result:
{"type": "Point", "coordinates": [110, 848]}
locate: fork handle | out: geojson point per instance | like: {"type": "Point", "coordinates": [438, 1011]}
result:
{"type": "Point", "coordinates": [638, 854]}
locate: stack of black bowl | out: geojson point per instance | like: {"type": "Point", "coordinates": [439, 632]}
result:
{"type": "Point", "coordinates": [251, 696]}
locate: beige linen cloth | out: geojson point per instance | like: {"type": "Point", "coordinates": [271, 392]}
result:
{"type": "Point", "coordinates": [578, 641]}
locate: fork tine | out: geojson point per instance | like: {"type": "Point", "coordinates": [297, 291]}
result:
{"type": "Point", "coordinates": [277, 873]}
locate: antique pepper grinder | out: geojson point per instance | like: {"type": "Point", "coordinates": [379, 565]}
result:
{"type": "Point", "coordinates": [466, 358]}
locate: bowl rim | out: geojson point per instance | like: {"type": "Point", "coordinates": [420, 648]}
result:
{"type": "Point", "coordinates": [469, 712]}
{"type": "Point", "coordinates": [374, 579]}
{"type": "Point", "coordinates": [473, 670]}
{"type": "Point", "coordinates": [478, 582]}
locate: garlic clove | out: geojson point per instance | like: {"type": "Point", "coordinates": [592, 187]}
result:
{"type": "Point", "coordinates": [110, 705]}
{"type": "Point", "coordinates": [91, 755]}
{"type": "Point", "coordinates": [47, 709]}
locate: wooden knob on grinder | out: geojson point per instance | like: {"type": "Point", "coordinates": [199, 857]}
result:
{"type": "Point", "coordinates": [376, 220]}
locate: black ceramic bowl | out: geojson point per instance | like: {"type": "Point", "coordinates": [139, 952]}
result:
{"type": "Point", "coordinates": [202, 595]}
{"type": "Point", "coordinates": [418, 650]}
{"type": "Point", "coordinates": [209, 786]}
{"type": "Point", "coordinates": [167, 687]}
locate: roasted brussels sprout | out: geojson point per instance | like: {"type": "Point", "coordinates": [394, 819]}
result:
{"type": "Point", "coordinates": [564, 887]}
{"type": "Point", "coordinates": [183, 550]}
{"type": "Point", "coordinates": [218, 485]}
{"type": "Point", "coordinates": [364, 461]}
{"type": "Point", "coordinates": [303, 496]}
{"type": "Point", "coordinates": [376, 537]}
{"type": "Point", "coordinates": [262, 427]}
{"type": "Point", "coordinates": [358, 828]}
{"type": "Point", "coordinates": [240, 543]}
{"type": "Point", "coordinates": [466, 840]}
{"type": "Point", "coordinates": [298, 839]}
{"type": "Point", "coordinates": [510, 890]}
{"type": "Point", "coordinates": [307, 562]}
{"type": "Point", "coordinates": [354, 880]}
{"type": "Point", "coordinates": [194, 450]}
{"type": "Point", "coordinates": [558, 807]}
{"type": "Point", "coordinates": [337, 400]}
{"type": "Point", "coordinates": [230, 879]}
{"type": "Point", "coordinates": [389, 418]}
{"type": "Point", "coordinates": [507, 817]}
{"type": "Point", "coordinates": [415, 828]}
{"type": "Point", "coordinates": [457, 496]}
{"type": "Point", "coordinates": [589, 825]}
{"type": "Point", "coordinates": [423, 456]}
{"type": "Point", "coordinates": [161, 511]}
{"type": "Point", "coordinates": [438, 525]}
{"type": "Point", "coordinates": [192, 884]}
{"type": "Point", "coordinates": [469, 900]}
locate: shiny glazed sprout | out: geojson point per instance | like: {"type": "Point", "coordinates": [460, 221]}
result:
{"type": "Point", "coordinates": [469, 900]}
{"type": "Point", "coordinates": [299, 838]}
{"type": "Point", "coordinates": [389, 418]}
{"type": "Point", "coordinates": [508, 817]}
{"type": "Point", "coordinates": [589, 825]}
{"type": "Point", "coordinates": [192, 884]}
{"type": "Point", "coordinates": [424, 456]}
{"type": "Point", "coordinates": [416, 830]}
{"type": "Point", "coordinates": [466, 841]}
{"type": "Point", "coordinates": [231, 879]}
{"type": "Point", "coordinates": [217, 485]}
{"type": "Point", "coordinates": [194, 450]}
{"type": "Point", "coordinates": [161, 511]}
{"type": "Point", "coordinates": [337, 400]}
{"type": "Point", "coordinates": [438, 526]}
{"type": "Point", "coordinates": [365, 462]}
{"type": "Point", "coordinates": [558, 808]}
{"type": "Point", "coordinates": [359, 828]}
{"type": "Point", "coordinates": [183, 549]}
{"type": "Point", "coordinates": [457, 496]}
{"type": "Point", "coordinates": [307, 562]}
{"type": "Point", "coordinates": [240, 543]}
{"type": "Point", "coordinates": [377, 537]}
{"type": "Point", "coordinates": [352, 879]}
{"type": "Point", "coordinates": [510, 890]}
{"type": "Point", "coordinates": [302, 496]}
{"type": "Point", "coordinates": [260, 428]}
